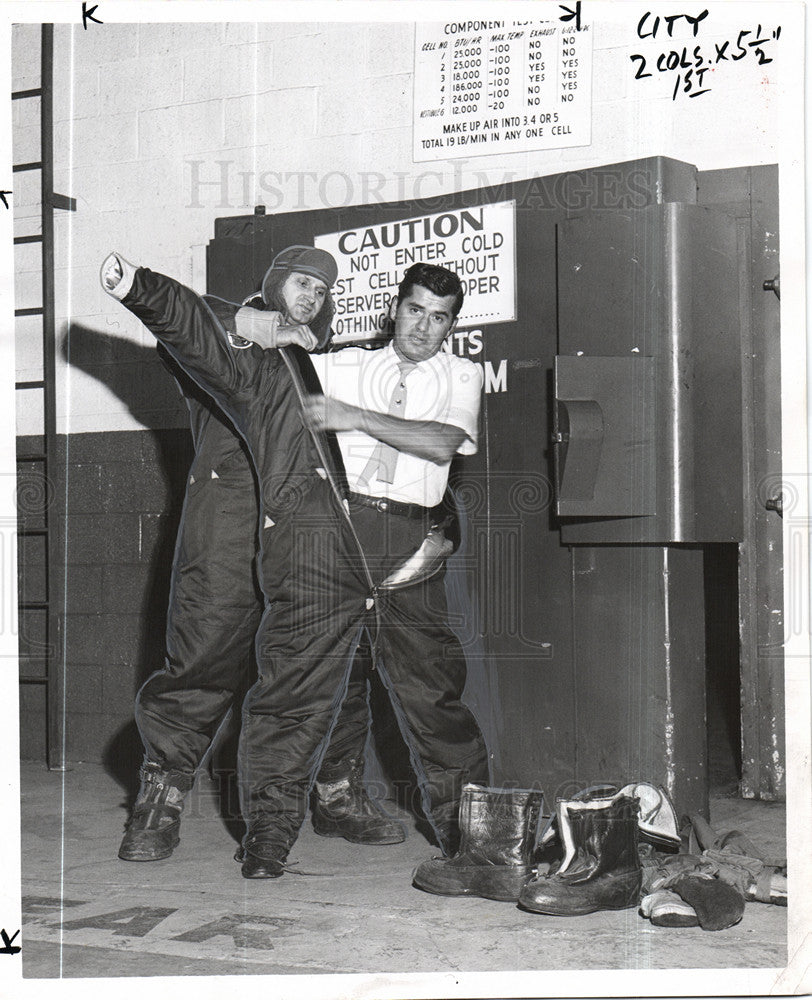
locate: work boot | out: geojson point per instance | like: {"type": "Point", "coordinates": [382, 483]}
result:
{"type": "Point", "coordinates": [601, 868]}
{"type": "Point", "coordinates": [261, 858]}
{"type": "Point", "coordinates": [658, 820]}
{"type": "Point", "coordinates": [342, 808]}
{"type": "Point", "coordinates": [498, 835]}
{"type": "Point", "coordinates": [153, 831]}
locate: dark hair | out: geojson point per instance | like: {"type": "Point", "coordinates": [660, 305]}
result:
{"type": "Point", "coordinates": [320, 324]}
{"type": "Point", "coordinates": [438, 280]}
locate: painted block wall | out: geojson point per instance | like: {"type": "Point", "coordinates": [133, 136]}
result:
{"type": "Point", "coordinates": [123, 497]}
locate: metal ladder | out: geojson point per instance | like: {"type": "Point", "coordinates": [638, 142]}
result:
{"type": "Point", "coordinates": [41, 647]}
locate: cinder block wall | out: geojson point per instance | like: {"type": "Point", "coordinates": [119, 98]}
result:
{"type": "Point", "coordinates": [117, 520]}
{"type": "Point", "coordinates": [160, 129]}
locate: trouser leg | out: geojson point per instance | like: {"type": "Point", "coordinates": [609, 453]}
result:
{"type": "Point", "coordinates": [287, 717]}
{"type": "Point", "coordinates": [348, 736]}
{"type": "Point", "coordinates": [422, 665]}
{"type": "Point", "coordinates": [179, 709]}
{"type": "Point", "coordinates": [305, 649]}
{"type": "Point", "coordinates": [214, 612]}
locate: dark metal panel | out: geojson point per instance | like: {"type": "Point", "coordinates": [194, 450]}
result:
{"type": "Point", "coordinates": [718, 301]}
{"type": "Point", "coordinates": [639, 669]}
{"type": "Point", "coordinates": [624, 291]}
{"type": "Point", "coordinates": [662, 283]}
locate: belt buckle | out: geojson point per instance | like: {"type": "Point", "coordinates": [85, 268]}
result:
{"type": "Point", "coordinates": [382, 506]}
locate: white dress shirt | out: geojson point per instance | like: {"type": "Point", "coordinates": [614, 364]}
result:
{"type": "Point", "coordinates": [445, 388]}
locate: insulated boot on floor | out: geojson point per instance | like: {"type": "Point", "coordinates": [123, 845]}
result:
{"type": "Point", "coordinates": [498, 830]}
{"type": "Point", "coordinates": [601, 869]}
{"type": "Point", "coordinates": [658, 820]}
{"type": "Point", "coordinates": [342, 808]}
{"type": "Point", "coordinates": [153, 831]}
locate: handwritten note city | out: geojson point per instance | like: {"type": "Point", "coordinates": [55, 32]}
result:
{"type": "Point", "coordinates": [694, 63]}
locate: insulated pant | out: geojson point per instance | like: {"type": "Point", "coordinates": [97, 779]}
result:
{"type": "Point", "coordinates": [288, 713]}
{"type": "Point", "coordinates": [318, 570]}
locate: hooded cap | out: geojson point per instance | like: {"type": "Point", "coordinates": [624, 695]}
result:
{"type": "Point", "coordinates": [306, 260]}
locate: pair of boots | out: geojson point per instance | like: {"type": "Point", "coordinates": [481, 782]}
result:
{"type": "Point", "coordinates": [341, 808]}
{"type": "Point", "coordinates": [499, 832]}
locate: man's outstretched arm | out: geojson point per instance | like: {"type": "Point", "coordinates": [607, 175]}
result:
{"type": "Point", "coordinates": [428, 439]}
{"type": "Point", "coordinates": [186, 325]}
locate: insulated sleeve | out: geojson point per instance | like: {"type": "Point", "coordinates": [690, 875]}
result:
{"type": "Point", "coordinates": [194, 331]}
{"type": "Point", "coordinates": [225, 312]}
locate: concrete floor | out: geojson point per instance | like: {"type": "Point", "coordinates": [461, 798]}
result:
{"type": "Point", "coordinates": [193, 914]}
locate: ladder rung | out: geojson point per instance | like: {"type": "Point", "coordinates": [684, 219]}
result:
{"type": "Point", "coordinates": [33, 680]}
{"type": "Point", "coordinates": [18, 95]}
{"type": "Point", "coordinates": [63, 201]}
{"type": "Point", "coordinates": [36, 457]}
{"type": "Point", "coordinates": [25, 532]}
{"type": "Point", "coordinates": [32, 384]}
{"type": "Point", "coordinates": [19, 167]}
{"type": "Point", "coordinates": [34, 311]}
{"type": "Point", "coordinates": [27, 239]}
{"type": "Point", "coordinates": [32, 606]}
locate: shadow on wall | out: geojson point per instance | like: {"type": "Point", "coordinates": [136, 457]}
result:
{"type": "Point", "coordinates": [129, 526]}
{"type": "Point", "coordinates": [132, 372]}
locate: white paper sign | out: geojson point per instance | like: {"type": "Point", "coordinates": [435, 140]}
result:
{"type": "Point", "coordinates": [501, 87]}
{"type": "Point", "coordinates": [478, 243]}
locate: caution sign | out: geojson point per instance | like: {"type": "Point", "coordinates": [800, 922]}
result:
{"type": "Point", "coordinates": [478, 243]}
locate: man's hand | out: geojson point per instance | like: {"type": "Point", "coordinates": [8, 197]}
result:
{"type": "Point", "coordinates": [112, 273]}
{"type": "Point", "coordinates": [265, 329]}
{"type": "Point", "coordinates": [117, 275]}
{"type": "Point", "coordinates": [298, 334]}
{"type": "Point", "coordinates": [326, 414]}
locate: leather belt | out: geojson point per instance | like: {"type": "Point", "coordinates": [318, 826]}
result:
{"type": "Point", "coordinates": [386, 506]}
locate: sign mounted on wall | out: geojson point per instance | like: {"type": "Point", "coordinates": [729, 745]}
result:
{"type": "Point", "coordinates": [501, 87]}
{"type": "Point", "coordinates": [478, 243]}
